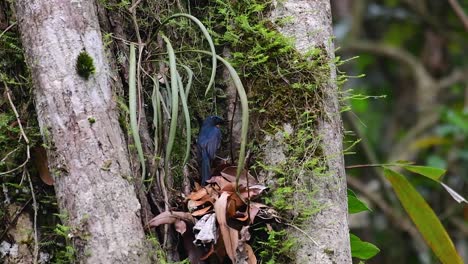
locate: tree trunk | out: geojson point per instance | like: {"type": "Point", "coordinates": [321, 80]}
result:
{"type": "Point", "coordinates": [78, 120]}
{"type": "Point", "coordinates": [311, 27]}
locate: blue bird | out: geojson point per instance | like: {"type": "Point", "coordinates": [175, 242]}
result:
{"type": "Point", "coordinates": [208, 143]}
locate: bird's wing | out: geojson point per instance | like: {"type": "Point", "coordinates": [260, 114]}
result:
{"type": "Point", "coordinates": [213, 142]}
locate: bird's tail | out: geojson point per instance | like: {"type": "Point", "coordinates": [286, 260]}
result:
{"type": "Point", "coordinates": [205, 168]}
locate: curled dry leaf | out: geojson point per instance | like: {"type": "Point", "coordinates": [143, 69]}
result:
{"type": "Point", "coordinates": [252, 259]}
{"type": "Point", "coordinates": [202, 211]}
{"type": "Point", "coordinates": [198, 194]}
{"type": "Point", "coordinates": [208, 254]}
{"type": "Point", "coordinates": [229, 235]}
{"type": "Point", "coordinates": [39, 157]}
{"type": "Point", "coordinates": [172, 218]}
{"type": "Point", "coordinates": [220, 181]}
{"type": "Point", "coordinates": [193, 204]}
{"type": "Point", "coordinates": [253, 191]}
{"type": "Point", "coordinates": [180, 226]}
{"type": "Point", "coordinates": [230, 174]}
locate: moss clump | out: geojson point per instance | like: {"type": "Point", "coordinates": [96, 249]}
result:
{"type": "Point", "coordinates": [91, 120]}
{"type": "Point", "coordinates": [282, 82]}
{"type": "Point", "coordinates": [85, 65]}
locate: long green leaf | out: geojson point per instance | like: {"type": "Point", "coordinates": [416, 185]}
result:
{"type": "Point", "coordinates": [208, 38]}
{"type": "Point", "coordinates": [245, 115]}
{"type": "Point", "coordinates": [132, 98]}
{"type": "Point", "coordinates": [174, 102]}
{"type": "Point", "coordinates": [429, 172]}
{"type": "Point", "coordinates": [157, 116]}
{"type": "Point", "coordinates": [424, 218]}
{"type": "Point", "coordinates": [189, 81]}
{"type": "Point", "coordinates": [188, 129]}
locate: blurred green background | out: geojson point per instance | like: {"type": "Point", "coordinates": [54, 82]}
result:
{"type": "Point", "coordinates": [415, 53]}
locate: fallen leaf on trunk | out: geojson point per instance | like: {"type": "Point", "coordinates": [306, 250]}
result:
{"type": "Point", "coordinates": [39, 156]}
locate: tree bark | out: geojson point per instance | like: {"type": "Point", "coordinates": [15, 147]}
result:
{"type": "Point", "coordinates": [87, 153]}
{"type": "Point", "coordinates": [311, 27]}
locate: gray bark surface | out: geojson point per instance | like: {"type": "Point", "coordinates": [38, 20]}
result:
{"type": "Point", "coordinates": [88, 160]}
{"type": "Point", "coordinates": [311, 27]}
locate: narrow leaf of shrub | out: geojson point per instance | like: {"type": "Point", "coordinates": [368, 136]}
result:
{"type": "Point", "coordinates": [429, 172]}
{"type": "Point", "coordinates": [355, 205]}
{"type": "Point", "coordinates": [174, 102]}
{"type": "Point", "coordinates": [132, 98]}
{"type": "Point", "coordinates": [188, 128]}
{"type": "Point", "coordinates": [361, 249]}
{"type": "Point", "coordinates": [424, 218]}
{"type": "Point", "coordinates": [210, 43]}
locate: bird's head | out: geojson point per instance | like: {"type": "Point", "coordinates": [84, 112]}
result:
{"type": "Point", "coordinates": [213, 121]}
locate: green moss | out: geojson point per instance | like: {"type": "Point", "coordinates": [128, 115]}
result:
{"type": "Point", "coordinates": [85, 65]}
{"type": "Point", "coordinates": [91, 120]}
{"type": "Point", "coordinates": [282, 83]}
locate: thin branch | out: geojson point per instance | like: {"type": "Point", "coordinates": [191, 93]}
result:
{"type": "Point", "coordinates": [403, 56]}
{"type": "Point", "coordinates": [36, 240]}
{"type": "Point", "coordinates": [303, 232]}
{"type": "Point", "coordinates": [23, 134]}
{"type": "Point", "coordinates": [17, 214]}
{"type": "Point", "coordinates": [460, 13]}
{"type": "Point", "coordinates": [454, 77]}
{"type": "Point", "coordinates": [6, 29]}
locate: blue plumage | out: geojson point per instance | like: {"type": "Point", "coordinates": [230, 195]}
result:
{"type": "Point", "coordinates": [208, 143]}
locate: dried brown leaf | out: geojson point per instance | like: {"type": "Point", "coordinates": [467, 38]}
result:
{"type": "Point", "coordinates": [252, 259]}
{"type": "Point", "coordinates": [198, 194]}
{"type": "Point", "coordinates": [229, 235]}
{"type": "Point", "coordinates": [230, 174]}
{"type": "Point", "coordinates": [180, 226]}
{"type": "Point", "coordinates": [202, 211]}
{"type": "Point", "coordinates": [170, 218]}
{"type": "Point", "coordinates": [39, 156]}
{"type": "Point", "coordinates": [208, 254]}
{"type": "Point", "coordinates": [220, 181]}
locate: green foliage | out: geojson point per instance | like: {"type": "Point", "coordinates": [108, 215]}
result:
{"type": "Point", "coordinates": [424, 218]}
{"type": "Point", "coordinates": [85, 65]}
{"type": "Point", "coordinates": [276, 248]}
{"type": "Point", "coordinates": [429, 172]}
{"type": "Point", "coordinates": [362, 250]}
{"type": "Point", "coordinates": [64, 253]}
{"type": "Point", "coordinates": [267, 60]}
{"type": "Point", "coordinates": [291, 186]}
{"type": "Point", "coordinates": [355, 205]}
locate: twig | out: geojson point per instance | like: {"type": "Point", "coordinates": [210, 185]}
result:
{"type": "Point", "coordinates": [36, 240]}
{"type": "Point", "coordinates": [6, 29]}
{"type": "Point", "coordinates": [454, 77]}
{"type": "Point", "coordinates": [17, 214]}
{"type": "Point", "coordinates": [23, 134]}
{"type": "Point", "coordinates": [303, 232]}
{"type": "Point", "coordinates": [459, 12]}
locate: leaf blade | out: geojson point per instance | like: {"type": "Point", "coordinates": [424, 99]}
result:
{"type": "Point", "coordinates": [361, 249]}
{"type": "Point", "coordinates": [424, 218]}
